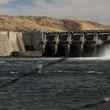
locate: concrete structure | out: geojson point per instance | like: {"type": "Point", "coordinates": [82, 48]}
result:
{"type": "Point", "coordinates": [75, 44]}
{"type": "Point", "coordinates": [54, 44]}
{"type": "Point", "coordinates": [20, 43]}
{"type": "Point", "coordinates": [10, 42]}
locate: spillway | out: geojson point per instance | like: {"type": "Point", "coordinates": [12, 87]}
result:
{"type": "Point", "coordinates": [75, 44]}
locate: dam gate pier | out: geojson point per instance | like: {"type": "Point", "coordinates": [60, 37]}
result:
{"type": "Point", "coordinates": [74, 44]}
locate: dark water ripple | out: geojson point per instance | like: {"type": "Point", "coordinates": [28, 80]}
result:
{"type": "Point", "coordinates": [60, 86]}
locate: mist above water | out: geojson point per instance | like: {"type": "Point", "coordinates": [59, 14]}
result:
{"type": "Point", "coordinates": [106, 52]}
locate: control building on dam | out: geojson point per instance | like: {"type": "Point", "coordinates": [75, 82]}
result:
{"type": "Point", "coordinates": [53, 44]}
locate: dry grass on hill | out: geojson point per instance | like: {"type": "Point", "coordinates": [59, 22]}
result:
{"type": "Point", "coordinates": [29, 23]}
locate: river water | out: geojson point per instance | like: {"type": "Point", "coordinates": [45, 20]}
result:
{"type": "Point", "coordinates": [53, 84]}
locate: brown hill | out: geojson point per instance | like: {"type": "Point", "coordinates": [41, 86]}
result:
{"type": "Point", "coordinates": [29, 23]}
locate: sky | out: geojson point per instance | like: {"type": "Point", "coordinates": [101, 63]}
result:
{"type": "Point", "coordinates": [95, 10]}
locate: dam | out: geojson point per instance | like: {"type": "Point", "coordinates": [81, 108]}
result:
{"type": "Point", "coordinates": [75, 44]}
{"type": "Point", "coordinates": [53, 44]}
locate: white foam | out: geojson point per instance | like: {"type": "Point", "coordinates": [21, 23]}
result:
{"type": "Point", "coordinates": [2, 62]}
{"type": "Point", "coordinates": [107, 99]}
{"type": "Point", "coordinates": [106, 52]}
{"type": "Point", "coordinates": [90, 58]}
{"type": "Point", "coordinates": [91, 72]}
{"type": "Point", "coordinates": [103, 57]}
{"type": "Point", "coordinates": [14, 72]}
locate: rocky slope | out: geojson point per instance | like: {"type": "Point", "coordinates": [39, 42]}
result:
{"type": "Point", "coordinates": [29, 23]}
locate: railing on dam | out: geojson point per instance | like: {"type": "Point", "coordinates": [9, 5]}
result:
{"type": "Point", "coordinates": [74, 44]}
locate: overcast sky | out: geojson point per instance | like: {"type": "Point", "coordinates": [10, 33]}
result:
{"type": "Point", "coordinates": [95, 10]}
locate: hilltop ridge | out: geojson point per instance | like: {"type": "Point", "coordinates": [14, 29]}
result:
{"type": "Point", "coordinates": [29, 23]}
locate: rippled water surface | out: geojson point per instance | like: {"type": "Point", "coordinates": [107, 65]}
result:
{"type": "Point", "coordinates": [53, 84]}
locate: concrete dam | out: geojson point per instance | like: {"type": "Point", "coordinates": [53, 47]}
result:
{"type": "Point", "coordinates": [53, 44]}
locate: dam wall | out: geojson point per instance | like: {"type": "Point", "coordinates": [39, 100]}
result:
{"type": "Point", "coordinates": [20, 43]}
{"type": "Point", "coordinates": [16, 43]}
{"type": "Point", "coordinates": [32, 43]}
{"type": "Point", "coordinates": [11, 42]}
{"type": "Point", "coordinates": [4, 43]}
{"type": "Point", "coordinates": [53, 44]}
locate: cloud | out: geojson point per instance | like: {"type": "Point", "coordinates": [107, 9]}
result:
{"type": "Point", "coordinates": [49, 1]}
{"type": "Point", "coordinates": [2, 2]}
{"type": "Point", "coordinates": [96, 10]}
{"type": "Point", "coordinates": [78, 9]}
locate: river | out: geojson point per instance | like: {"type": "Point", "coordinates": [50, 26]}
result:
{"type": "Point", "coordinates": [53, 83]}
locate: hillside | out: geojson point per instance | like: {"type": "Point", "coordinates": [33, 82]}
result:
{"type": "Point", "coordinates": [29, 23]}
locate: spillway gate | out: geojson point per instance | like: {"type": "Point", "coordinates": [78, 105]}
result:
{"type": "Point", "coordinates": [74, 44]}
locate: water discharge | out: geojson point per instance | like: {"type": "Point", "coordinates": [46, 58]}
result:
{"type": "Point", "coordinates": [106, 52]}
